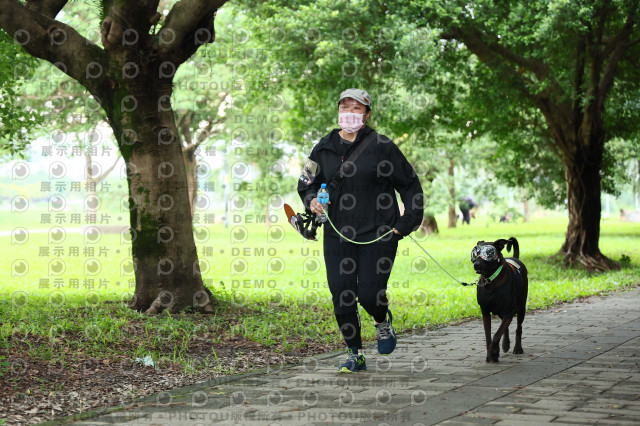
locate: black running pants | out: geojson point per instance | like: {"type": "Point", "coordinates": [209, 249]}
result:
{"type": "Point", "coordinates": [358, 273]}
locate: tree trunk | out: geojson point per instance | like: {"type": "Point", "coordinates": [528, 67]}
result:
{"type": "Point", "coordinates": [582, 174]}
{"type": "Point", "coordinates": [636, 188]}
{"type": "Point", "coordinates": [527, 214]}
{"type": "Point", "coordinates": [164, 253]}
{"type": "Point", "coordinates": [267, 214]}
{"type": "Point", "coordinates": [453, 216]}
{"type": "Point", "coordinates": [190, 162]}
{"type": "Point", "coordinates": [429, 224]}
{"type": "Point", "coordinates": [131, 77]}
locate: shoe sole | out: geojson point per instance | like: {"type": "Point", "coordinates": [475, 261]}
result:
{"type": "Point", "coordinates": [346, 370]}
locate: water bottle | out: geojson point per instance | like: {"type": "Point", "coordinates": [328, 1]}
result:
{"type": "Point", "coordinates": [323, 198]}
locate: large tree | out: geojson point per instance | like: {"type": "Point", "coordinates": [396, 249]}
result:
{"type": "Point", "coordinates": [561, 58]}
{"type": "Point", "coordinates": [131, 77]}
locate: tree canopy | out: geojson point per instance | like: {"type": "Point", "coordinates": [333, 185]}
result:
{"type": "Point", "coordinates": [551, 67]}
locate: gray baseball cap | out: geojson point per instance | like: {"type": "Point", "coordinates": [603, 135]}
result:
{"type": "Point", "coordinates": [357, 94]}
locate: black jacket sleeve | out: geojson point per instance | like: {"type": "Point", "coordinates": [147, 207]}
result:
{"type": "Point", "coordinates": [308, 188]}
{"type": "Point", "coordinates": [406, 182]}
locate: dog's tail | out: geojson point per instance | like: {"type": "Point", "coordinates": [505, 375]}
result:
{"type": "Point", "coordinates": [512, 242]}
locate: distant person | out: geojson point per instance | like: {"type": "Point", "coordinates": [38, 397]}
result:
{"type": "Point", "coordinates": [505, 218]}
{"type": "Point", "coordinates": [465, 207]}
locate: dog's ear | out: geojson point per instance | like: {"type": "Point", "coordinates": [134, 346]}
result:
{"type": "Point", "coordinates": [480, 243]}
{"type": "Point", "coordinates": [499, 244]}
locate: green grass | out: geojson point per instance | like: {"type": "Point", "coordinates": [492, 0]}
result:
{"type": "Point", "coordinates": [54, 318]}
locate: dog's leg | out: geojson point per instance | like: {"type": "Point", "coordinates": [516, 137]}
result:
{"type": "Point", "coordinates": [506, 342]}
{"type": "Point", "coordinates": [494, 350]}
{"type": "Point", "coordinates": [517, 349]}
{"type": "Point", "coordinates": [486, 322]}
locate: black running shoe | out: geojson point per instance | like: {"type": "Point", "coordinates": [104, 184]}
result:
{"type": "Point", "coordinates": [386, 336]}
{"type": "Point", "coordinates": [354, 362]}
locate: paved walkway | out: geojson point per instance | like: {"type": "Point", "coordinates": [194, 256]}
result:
{"type": "Point", "coordinates": [581, 366]}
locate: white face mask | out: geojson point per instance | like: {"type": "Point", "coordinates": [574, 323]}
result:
{"type": "Point", "coordinates": [350, 122]}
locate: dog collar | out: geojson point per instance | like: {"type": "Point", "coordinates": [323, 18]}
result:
{"type": "Point", "coordinates": [495, 274]}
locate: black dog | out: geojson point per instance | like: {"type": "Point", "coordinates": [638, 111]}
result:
{"type": "Point", "coordinates": [502, 291]}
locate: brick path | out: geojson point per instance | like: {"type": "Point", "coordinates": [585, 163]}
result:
{"type": "Point", "coordinates": [581, 366]}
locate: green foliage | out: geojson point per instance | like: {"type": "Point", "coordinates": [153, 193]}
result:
{"type": "Point", "coordinates": [621, 164]}
{"type": "Point", "coordinates": [4, 365]}
{"type": "Point", "coordinates": [38, 92]}
{"type": "Point", "coordinates": [18, 119]}
{"type": "Point", "coordinates": [540, 47]}
{"type": "Point", "coordinates": [625, 260]}
{"type": "Point", "coordinates": [85, 14]}
{"type": "Point", "coordinates": [431, 96]}
{"type": "Point", "coordinates": [310, 51]}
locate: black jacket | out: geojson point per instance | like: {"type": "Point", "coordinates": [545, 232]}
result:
{"type": "Point", "coordinates": [364, 206]}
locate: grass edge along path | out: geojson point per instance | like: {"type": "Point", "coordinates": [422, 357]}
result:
{"type": "Point", "coordinates": [291, 314]}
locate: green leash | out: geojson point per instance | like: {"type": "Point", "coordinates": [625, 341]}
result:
{"type": "Point", "coordinates": [389, 232]}
{"type": "Point", "coordinates": [355, 242]}
{"type": "Point", "coordinates": [436, 262]}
